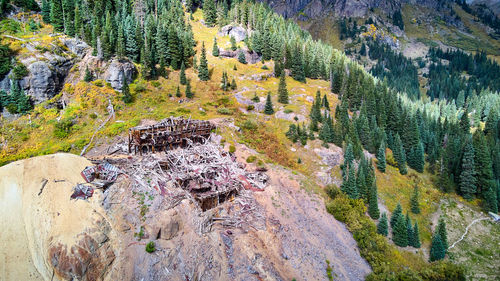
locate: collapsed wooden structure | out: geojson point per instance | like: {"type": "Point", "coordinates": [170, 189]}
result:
{"type": "Point", "coordinates": [168, 134]}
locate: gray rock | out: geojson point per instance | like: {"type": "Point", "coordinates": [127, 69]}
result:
{"type": "Point", "coordinates": [77, 47]}
{"type": "Point", "coordinates": [239, 33]}
{"type": "Point", "coordinates": [42, 82]}
{"type": "Point", "coordinates": [251, 57]}
{"type": "Point", "coordinates": [5, 83]}
{"type": "Point", "coordinates": [116, 70]}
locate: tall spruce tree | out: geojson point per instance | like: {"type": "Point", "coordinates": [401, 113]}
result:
{"type": "Point", "coordinates": [484, 172]}
{"type": "Point", "coordinates": [203, 67]}
{"type": "Point", "coordinates": [382, 227]}
{"type": "Point", "coordinates": [467, 183]}
{"type": "Point", "coordinates": [414, 201]}
{"type": "Point", "coordinates": [373, 210]}
{"type": "Point", "coordinates": [438, 251]}
{"type": "Point", "coordinates": [409, 231]}
{"type": "Point", "coordinates": [126, 96]}
{"type": "Point", "coordinates": [400, 155]}
{"type": "Point", "coordinates": [268, 109]}
{"type": "Point", "coordinates": [398, 212]}
{"type": "Point", "coordinates": [182, 76]}
{"type": "Point", "coordinates": [400, 232]}
{"type": "Point", "coordinates": [209, 12]}
{"type": "Point", "coordinates": [298, 72]}
{"type": "Point", "coordinates": [441, 229]}
{"type": "Point", "coordinates": [416, 236]}
{"type": "Point", "coordinates": [282, 91]}
{"type": "Point", "coordinates": [350, 187]}
{"type": "Point", "coordinates": [215, 48]}
{"type": "Point", "coordinates": [189, 93]}
{"type": "Point", "coordinates": [56, 15]}
{"type": "Point", "coordinates": [381, 162]}
{"type": "Point", "coordinates": [241, 57]}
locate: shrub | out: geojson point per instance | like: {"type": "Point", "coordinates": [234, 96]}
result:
{"type": "Point", "coordinates": [224, 111]}
{"type": "Point", "coordinates": [232, 149]}
{"type": "Point", "coordinates": [265, 67]}
{"type": "Point", "coordinates": [19, 71]}
{"type": "Point", "coordinates": [251, 159]}
{"type": "Point", "coordinates": [288, 111]}
{"type": "Point", "coordinates": [249, 125]}
{"type": "Point", "coordinates": [93, 115]}
{"type": "Point", "coordinates": [250, 107]}
{"type": "Point", "coordinates": [99, 83]}
{"type": "Point", "coordinates": [150, 247]}
{"type": "Point", "coordinates": [140, 87]}
{"type": "Point", "coordinates": [155, 84]}
{"type": "Point", "coordinates": [390, 160]}
{"type": "Point", "coordinates": [62, 129]}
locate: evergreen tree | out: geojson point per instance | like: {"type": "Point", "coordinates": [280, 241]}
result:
{"type": "Point", "coordinates": [467, 183]}
{"type": "Point", "coordinates": [373, 210]}
{"type": "Point", "coordinates": [438, 250]}
{"type": "Point", "coordinates": [441, 229]}
{"type": "Point", "coordinates": [382, 227]}
{"type": "Point", "coordinates": [183, 79]}
{"type": "Point", "coordinates": [268, 109]}
{"type": "Point", "coordinates": [298, 72]}
{"type": "Point", "coordinates": [241, 57]}
{"type": "Point", "coordinates": [88, 75]}
{"type": "Point", "coordinates": [416, 236]}
{"type": "Point", "coordinates": [56, 15]}
{"type": "Point", "coordinates": [419, 158]}
{"type": "Point", "coordinates": [415, 207]}
{"type": "Point", "coordinates": [46, 11]}
{"type": "Point", "coordinates": [233, 43]}
{"type": "Point", "coordinates": [203, 67]}
{"type": "Point", "coordinates": [400, 232]}
{"type": "Point", "coordinates": [325, 103]}
{"type": "Point", "coordinates": [398, 212]}
{"type": "Point", "coordinates": [215, 48]}
{"type": "Point", "coordinates": [381, 162]}
{"type": "Point", "coordinates": [348, 156]}
{"type": "Point", "coordinates": [178, 92]}
{"type": "Point", "coordinates": [209, 12]}
{"type": "Point", "coordinates": [189, 93]}
{"type": "Point", "coordinates": [350, 187]}
{"type": "Point", "coordinates": [399, 155]}
{"type": "Point", "coordinates": [233, 85]}
{"type": "Point", "coordinates": [282, 91]}
{"type": "Point", "coordinates": [484, 171]}
{"type": "Point", "coordinates": [126, 96]}
{"type": "Point", "coordinates": [409, 231]}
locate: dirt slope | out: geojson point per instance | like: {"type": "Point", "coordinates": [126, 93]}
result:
{"type": "Point", "coordinates": [290, 236]}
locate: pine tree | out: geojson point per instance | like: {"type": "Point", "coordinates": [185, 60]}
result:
{"type": "Point", "coordinates": [46, 11]}
{"type": "Point", "coordinates": [348, 156]}
{"type": "Point", "coordinates": [373, 210]}
{"type": "Point", "coordinates": [484, 171]}
{"type": "Point", "coordinates": [419, 158]}
{"type": "Point", "coordinates": [381, 162]}
{"type": "Point", "coordinates": [215, 48]}
{"type": "Point", "coordinates": [298, 72]}
{"type": "Point", "coordinates": [56, 15]}
{"type": "Point", "coordinates": [182, 75]}
{"type": "Point", "coordinates": [438, 250]}
{"type": "Point", "coordinates": [209, 12]}
{"type": "Point", "coordinates": [268, 109]}
{"type": "Point", "coordinates": [233, 43]}
{"type": "Point", "coordinates": [88, 75]}
{"type": "Point", "coordinates": [350, 187]}
{"type": "Point", "coordinates": [400, 232]}
{"type": "Point", "coordinates": [178, 92]}
{"type": "Point", "coordinates": [241, 57]}
{"type": "Point", "coordinates": [467, 183]}
{"type": "Point", "coordinates": [398, 212]}
{"type": "Point", "coordinates": [233, 85]}
{"type": "Point", "coordinates": [399, 155]}
{"type": "Point", "coordinates": [203, 67]}
{"type": "Point", "coordinates": [189, 93]}
{"type": "Point", "coordinates": [282, 91]}
{"type": "Point", "coordinates": [441, 229]}
{"type": "Point", "coordinates": [126, 96]}
{"type": "Point", "coordinates": [415, 207]}
{"type": "Point", "coordinates": [416, 236]}
{"type": "Point", "coordinates": [409, 231]}
{"type": "Point", "coordinates": [325, 103]}
{"type": "Point", "coordinates": [382, 227]}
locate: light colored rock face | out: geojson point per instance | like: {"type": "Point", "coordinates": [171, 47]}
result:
{"type": "Point", "coordinates": [41, 82]}
{"type": "Point", "coordinates": [77, 47]}
{"type": "Point", "coordinates": [117, 70]}
{"type": "Point", "coordinates": [238, 32]}
{"type": "Point", "coordinates": [43, 231]}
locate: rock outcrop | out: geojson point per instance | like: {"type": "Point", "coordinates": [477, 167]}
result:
{"type": "Point", "coordinates": [251, 57]}
{"type": "Point", "coordinates": [238, 32]}
{"type": "Point", "coordinates": [116, 70]}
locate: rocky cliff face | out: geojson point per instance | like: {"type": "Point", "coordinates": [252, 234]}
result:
{"type": "Point", "coordinates": [341, 8]}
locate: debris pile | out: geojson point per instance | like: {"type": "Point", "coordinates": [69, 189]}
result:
{"type": "Point", "coordinates": [101, 175]}
{"type": "Point", "coordinates": [82, 192]}
{"type": "Point", "coordinates": [168, 134]}
{"type": "Point", "coordinates": [211, 175]}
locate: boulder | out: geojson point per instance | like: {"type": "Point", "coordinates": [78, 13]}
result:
{"type": "Point", "coordinates": [42, 82]}
{"type": "Point", "coordinates": [76, 46]}
{"type": "Point", "coordinates": [116, 70]}
{"type": "Point", "coordinates": [251, 57]}
{"type": "Point", "coordinates": [239, 33]}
